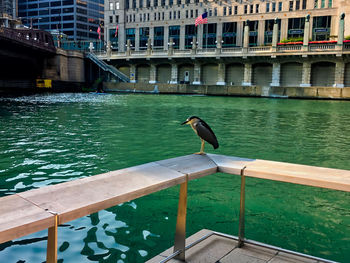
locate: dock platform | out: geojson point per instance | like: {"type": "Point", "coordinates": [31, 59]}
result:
{"type": "Point", "coordinates": [207, 246]}
{"type": "Point", "coordinates": [47, 207]}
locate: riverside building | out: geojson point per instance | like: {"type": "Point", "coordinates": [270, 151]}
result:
{"type": "Point", "coordinates": [161, 20]}
{"type": "Point", "coordinates": [241, 45]}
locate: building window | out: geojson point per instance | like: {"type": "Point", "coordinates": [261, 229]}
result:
{"type": "Point", "coordinates": [144, 17]}
{"type": "Point", "coordinates": [162, 15]}
{"type": "Point", "coordinates": [245, 9]}
{"type": "Point", "coordinates": [163, 3]}
{"type": "Point", "coordinates": [224, 11]}
{"type": "Point", "coordinates": [117, 5]}
{"type": "Point", "coordinates": [229, 31]}
{"type": "Point", "coordinates": [155, 4]}
{"type": "Point", "coordinates": [230, 10]}
{"type": "Point", "coordinates": [191, 13]}
{"type": "Point", "coordinates": [209, 36]}
{"type": "Point", "coordinates": [117, 19]}
{"type": "Point", "coordinates": [148, 3]}
{"type": "Point", "coordinates": [273, 7]}
{"type": "Point", "coordinates": [171, 2]}
{"type": "Point", "coordinates": [130, 34]}
{"type": "Point", "coordinates": [159, 37]}
{"type": "Point", "coordinates": [186, 13]}
{"type": "Point", "coordinates": [215, 11]}
{"type": "Point", "coordinates": [174, 14]}
{"type": "Point", "coordinates": [174, 32]}
{"type": "Point", "coordinates": [210, 12]}
{"type": "Point", "coordinates": [257, 8]}
{"type": "Point", "coordinates": [187, 2]}
{"type": "Point", "coordinates": [110, 19]}
{"type": "Point", "coordinates": [196, 12]}
{"type": "Point", "coordinates": [304, 4]}
{"type": "Point", "coordinates": [144, 33]}
{"type": "Point", "coordinates": [280, 6]}
{"type": "Point", "coordinates": [267, 7]}
{"type": "Point", "coordinates": [190, 33]}
{"type": "Point", "coordinates": [170, 13]}
{"type": "Point", "coordinates": [251, 9]}
{"type": "Point", "coordinates": [236, 10]}
{"type": "Point", "coordinates": [111, 6]}
{"type": "Point", "coordinates": [126, 4]}
{"type": "Point", "coordinates": [322, 3]}
{"type": "Point", "coordinates": [329, 3]}
{"type": "Point", "coordinates": [290, 5]}
{"type": "Point", "coordinates": [178, 14]}
{"type": "Point", "coordinates": [297, 5]}
{"type": "Point", "coordinates": [296, 27]}
{"type": "Point", "coordinates": [179, 2]}
{"type": "Point", "coordinates": [321, 28]}
{"type": "Point", "coordinates": [269, 24]}
{"type": "Point", "coordinates": [134, 4]}
{"type": "Point", "coordinates": [141, 3]}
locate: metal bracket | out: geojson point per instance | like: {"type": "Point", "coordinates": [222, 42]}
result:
{"type": "Point", "coordinates": [180, 234]}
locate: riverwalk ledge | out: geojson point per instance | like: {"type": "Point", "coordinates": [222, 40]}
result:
{"type": "Point", "coordinates": [47, 207]}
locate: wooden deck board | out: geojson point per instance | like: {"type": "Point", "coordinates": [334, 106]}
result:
{"type": "Point", "coordinates": [82, 197]}
{"type": "Point", "coordinates": [218, 249]}
{"type": "Point", "coordinates": [20, 218]}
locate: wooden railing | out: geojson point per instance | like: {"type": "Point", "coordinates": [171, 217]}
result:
{"type": "Point", "coordinates": [47, 207]}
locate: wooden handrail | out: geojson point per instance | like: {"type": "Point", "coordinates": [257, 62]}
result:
{"type": "Point", "coordinates": [31, 211]}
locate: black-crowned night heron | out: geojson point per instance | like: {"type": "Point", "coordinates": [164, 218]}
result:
{"type": "Point", "coordinates": [202, 129]}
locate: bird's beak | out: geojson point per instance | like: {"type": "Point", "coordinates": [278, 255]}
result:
{"type": "Point", "coordinates": [185, 122]}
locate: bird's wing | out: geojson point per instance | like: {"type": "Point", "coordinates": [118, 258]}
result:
{"type": "Point", "coordinates": [206, 133]}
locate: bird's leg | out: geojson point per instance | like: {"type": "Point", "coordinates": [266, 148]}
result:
{"type": "Point", "coordinates": [202, 148]}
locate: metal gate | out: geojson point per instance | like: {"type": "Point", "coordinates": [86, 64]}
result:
{"type": "Point", "coordinates": [347, 75]}
{"type": "Point", "coordinates": [143, 73]}
{"type": "Point", "coordinates": [262, 74]}
{"type": "Point", "coordinates": [291, 74]}
{"type": "Point", "coordinates": [210, 74]}
{"type": "Point", "coordinates": [164, 73]}
{"type": "Point", "coordinates": [234, 74]}
{"type": "Point", "coordinates": [322, 74]}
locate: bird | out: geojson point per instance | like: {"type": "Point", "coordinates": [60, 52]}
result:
{"type": "Point", "coordinates": [202, 129]}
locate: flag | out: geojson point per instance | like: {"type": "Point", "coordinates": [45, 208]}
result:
{"type": "Point", "coordinates": [202, 19]}
{"type": "Point", "coordinates": [99, 32]}
{"type": "Point", "coordinates": [116, 31]}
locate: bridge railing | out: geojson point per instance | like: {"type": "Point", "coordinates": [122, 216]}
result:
{"type": "Point", "coordinates": [31, 37]}
{"type": "Point", "coordinates": [47, 207]}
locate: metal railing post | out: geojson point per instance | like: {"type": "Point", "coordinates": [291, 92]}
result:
{"type": "Point", "coordinates": [180, 234]}
{"type": "Point", "coordinates": [51, 252]}
{"type": "Point", "coordinates": [241, 211]}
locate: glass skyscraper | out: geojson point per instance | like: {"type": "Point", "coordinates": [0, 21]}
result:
{"type": "Point", "coordinates": [78, 19]}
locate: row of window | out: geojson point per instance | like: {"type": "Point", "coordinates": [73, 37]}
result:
{"type": "Point", "coordinates": [229, 33]}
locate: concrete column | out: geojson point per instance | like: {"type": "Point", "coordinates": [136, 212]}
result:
{"type": "Point", "coordinates": [239, 34]}
{"type": "Point", "coordinates": [341, 30]}
{"type": "Point", "coordinates": [171, 47]}
{"type": "Point", "coordinates": [151, 35]}
{"type": "Point", "coordinates": [306, 33]}
{"type": "Point", "coordinates": [218, 44]}
{"type": "Point", "coordinates": [310, 4]}
{"type": "Point", "coordinates": [219, 31]}
{"type": "Point", "coordinates": [133, 73]}
{"type": "Point", "coordinates": [197, 74]}
{"type": "Point", "coordinates": [275, 35]}
{"type": "Point", "coordinates": [166, 37]}
{"type": "Point", "coordinates": [109, 50]}
{"type": "Point", "coordinates": [247, 78]}
{"type": "Point", "coordinates": [128, 47]}
{"type": "Point", "coordinates": [200, 36]}
{"type": "Point", "coordinates": [246, 37]}
{"type": "Point", "coordinates": [306, 77]}
{"type": "Point", "coordinates": [221, 74]}
{"type": "Point", "coordinates": [153, 74]}
{"type": "Point", "coordinates": [149, 46]}
{"type": "Point", "coordinates": [174, 73]}
{"type": "Point", "coordinates": [182, 37]}
{"type": "Point", "coordinates": [284, 28]}
{"type": "Point", "coordinates": [276, 72]}
{"type": "Point", "coordinates": [121, 38]}
{"type": "Point", "coordinates": [261, 32]}
{"type": "Point", "coordinates": [194, 46]}
{"type": "Point", "coordinates": [137, 39]}
{"type": "Point", "coordinates": [339, 74]}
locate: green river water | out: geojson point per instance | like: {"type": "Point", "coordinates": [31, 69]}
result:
{"type": "Point", "coordinates": [52, 138]}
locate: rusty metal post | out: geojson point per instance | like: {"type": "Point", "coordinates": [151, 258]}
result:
{"type": "Point", "coordinates": [180, 234]}
{"type": "Point", "coordinates": [51, 252]}
{"type": "Point", "coordinates": [241, 211]}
